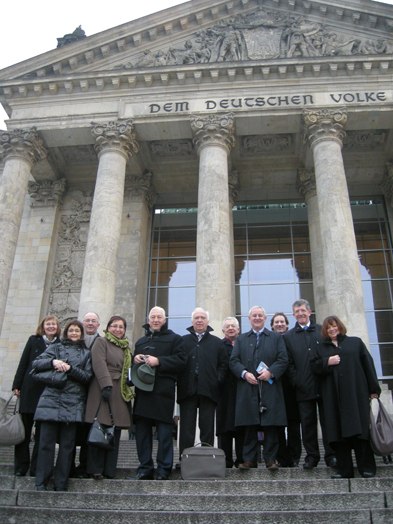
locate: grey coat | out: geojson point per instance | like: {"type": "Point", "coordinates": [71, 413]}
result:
{"type": "Point", "coordinates": [246, 356]}
{"type": "Point", "coordinates": [67, 404]}
{"type": "Point", "coordinates": [107, 361]}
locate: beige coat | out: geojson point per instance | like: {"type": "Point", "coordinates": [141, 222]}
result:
{"type": "Point", "coordinates": [107, 362]}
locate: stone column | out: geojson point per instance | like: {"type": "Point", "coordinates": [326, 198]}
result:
{"type": "Point", "coordinates": [21, 150]}
{"type": "Point", "coordinates": [134, 251]}
{"type": "Point", "coordinates": [305, 184]}
{"type": "Point", "coordinates": [324, 131]}
{"type": "Point", "coordinates": [214, 138]}
{"type": "Point", "coordinates": [234, 188]}
{"type": "Point", "coordinates": [115, 144]}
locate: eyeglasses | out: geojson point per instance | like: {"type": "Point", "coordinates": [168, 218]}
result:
{"type": "Point", "coordinates": [88, 321]}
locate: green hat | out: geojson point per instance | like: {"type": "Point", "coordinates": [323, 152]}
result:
{"type": "Point", "coordinates": [143, 376]}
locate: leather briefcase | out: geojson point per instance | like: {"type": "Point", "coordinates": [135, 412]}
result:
{"type": "Point", "coordinates": [203, 463]}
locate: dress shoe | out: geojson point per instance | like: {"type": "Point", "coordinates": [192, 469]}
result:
{"type": "Point", "coordinates": [97, 476]}
{"type": "Point", "coordinates": [19, 474]}
{"type": "Point", "coordinates": [143, 476]}
{"type": "Point", "coordinates": [162, 477]}
{"type": "Point", "coordinates": [295, 464]}
{"type": "Point", "coordinates": [178, 465]}
{"type": "Point", "coordinates": [332, 462]}
{"type": "Point", "coordinates": [83, 476]}
{"type": "Point", "coordinates": [368, 474]}
{"type": "Point", "coordinates": [60, 489]}
{"type": "Point", "coordinates": [41, 487]}
{"type": "Point", "coordinates": [271, 465]}
{"type": "Point", "coordinates": [248, 465]}
{"type": "Point", "coordinates": [309, 465]}
{"type": "Point", "coordinates": [336, 476]}
{"type": "Point", "coordinates": [110, 477]}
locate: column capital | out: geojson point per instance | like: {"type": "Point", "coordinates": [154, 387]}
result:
{"type": "Point", "coordinates": [22, 143]}
{"type": "Point", "coordinates": [324, 124]}
{"type": "Point", "coordinates": [46, 192]}
{"type": "Point", "coordinates": [115, 136]}
{"type": "Point", "coordinates": [234, 186]}
{"type": "Point", "coordinates": [387, 184]}
{"type": "Point", "coordinates": [139, 187]}
{"type": "Point", "coordinates": [305, 183]}
{"type": "Point", "coordinates": [213, 129]}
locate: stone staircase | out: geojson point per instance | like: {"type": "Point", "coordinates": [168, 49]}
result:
{"type": "Point", "coordinates": [289, 495]}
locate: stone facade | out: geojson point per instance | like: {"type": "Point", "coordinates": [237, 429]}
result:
{"type": "Point", "coordinates": [204, 105]}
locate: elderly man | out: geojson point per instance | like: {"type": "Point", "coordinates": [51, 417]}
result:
{"type": "Point", "coordinates": [163, 351]}
{"type": "Point", "coordinates": [91, 323]}
{"type": "Point", "coordinates": [225, 414]}
{"type": "Point", "coordinates": [290, 445]}
{"type": "Point", "coordinates": [300, 342]}
{"type": "Point", "coordinates": [198, 385]}
{"type": "Point", "coordinates": [258, 360]}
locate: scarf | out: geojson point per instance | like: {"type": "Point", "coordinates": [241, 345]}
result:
{"type": "Point", "coordinates": [123, 344]}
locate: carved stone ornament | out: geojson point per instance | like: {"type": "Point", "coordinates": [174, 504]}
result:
{"type": "Point", "coordinates": [70, 38]}
{"type": "Point", "coordinates": [260, 35]}
{"type": "Point", "coordinates": [213, 130]}
{"type": "Point", "coordinates": [26, 144]}
{"type": "Point", "coordinates": [305, 183]}
{"type": "Point", "coordinates": [171, 148]}
{"type": "Point", "coordinates": [115, 136]}
{"type": "Point", "coordinates": [234, 186]}
{"type": "Point", "coordinates": [324, 124]}
{"type": "Point", "coordinates": [139, 187]}
{"type": "Point", "coordinates": [47, 192]}
{"type": "Point", "coordinates": [266, 143]}
{"type": "Point", "coordinates": [369, 139]}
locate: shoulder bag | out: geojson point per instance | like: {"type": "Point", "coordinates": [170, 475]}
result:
{"type": "Point", "coordinates": [101, 435]}
{"type": "Point", "coordinates": [381, 431]}
{"type": "Point", "coordinates": [12, 430]}
{"type": "Point", "coordinates": [203, 463]}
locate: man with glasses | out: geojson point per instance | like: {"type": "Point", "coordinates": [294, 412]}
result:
{"type": "Point", "coordinates": [91, 323]}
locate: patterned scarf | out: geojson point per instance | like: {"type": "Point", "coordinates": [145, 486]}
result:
{"type": "Point", "coordinates": [123, 344]}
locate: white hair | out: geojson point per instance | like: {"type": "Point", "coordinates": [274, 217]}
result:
{"type": "Point", "coordinates": [230, 318]}
{"type": "Point", "coordinates": [160, 308]}
{"type": "Point", "coordinates": [199, 309]}
{"type": "Point", "coordinates": [257, 307]}
{"type": "Point", "coordinates": [91, 313]}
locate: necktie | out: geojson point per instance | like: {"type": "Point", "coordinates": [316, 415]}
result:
{"type": "Point", "coordinates": [258, 335]}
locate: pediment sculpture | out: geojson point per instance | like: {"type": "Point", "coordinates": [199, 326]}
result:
{"type": "Point", "coordinates": [262, 35]}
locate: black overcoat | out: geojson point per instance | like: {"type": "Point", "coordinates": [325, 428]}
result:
{"type": "Point", "coordinates": [226, 407]}
{"type": "Point", "coordinates": [30, 389]}
{"type": "Point", "coordinates": [346, 387]}
{"type": "Point", "coordinates": [246, 356]}
{"type": "Point", "coordinates": [301, 347]}
{"type": "Point", "coordinates": [167, 346]}
{"type": "Point", "coordinates": [67, 404]}
{"type": "Point", "coordinates": [212, 361]}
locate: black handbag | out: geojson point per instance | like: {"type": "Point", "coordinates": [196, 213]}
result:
{"type": "Point", "coordinates": [381, 431]}
{"type": "Point", "coordinates": [12, 429]}
{"type": "Point", "coordinates": [101, 435]}
{"type": "Point", "coordinates": [203, 463]}
{"type": "Point", "coordinates": [50, 377]}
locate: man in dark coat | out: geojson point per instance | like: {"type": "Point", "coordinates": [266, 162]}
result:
{"type": "Point", "coordinates": [198, 385]}
{"type": "Point", "coordinates": [290, 446]}
{"type": "Point", "coordinates": [260, 398]}
{"type": "Point", "coordinates": [163, 351]}
{"type": "Point", "coordinates": [300, 342]}
{"type": "Point", "coordinates": [226, 407]}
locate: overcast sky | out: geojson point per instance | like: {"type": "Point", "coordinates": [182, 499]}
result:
{"type": "Point", "coordinates": [31, 28]}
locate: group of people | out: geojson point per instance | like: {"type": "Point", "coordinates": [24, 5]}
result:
{"type": "Point", "coordinates": [250, 386]}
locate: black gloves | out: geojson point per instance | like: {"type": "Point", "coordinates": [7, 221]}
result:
{"type": "Point", "coordinates": [106, 393]}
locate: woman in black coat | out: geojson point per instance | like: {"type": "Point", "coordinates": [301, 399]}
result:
{"type": "Point", "coordinates": [59, 410]}
{"type": "Point", "coordinates": [29, 391]}
{"type": "Point", "coordinates": [348, 381]}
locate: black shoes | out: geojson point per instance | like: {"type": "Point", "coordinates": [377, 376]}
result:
{"type": "Point", "coordinates": [367, 475]}
{"type": "Point", "coordinates": [162, 476]}
{"type": "Point", "coordinates": [332, 462]}
{"type": "Point", "coordinates": [310, 464]}
{"type": "Point", "coordinates": [41, 487]}
{"type": "Point", "coordinates": [142, 476]}
{"type": "Point", "coordinates": [336, 476]}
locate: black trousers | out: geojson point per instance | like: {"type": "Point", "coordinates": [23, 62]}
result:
{"type": "Point", "coordinates": [144, 444]}
{"type": "Point", "coordinates": [225, 442]}
{"type": "Point", "coordinates": [65, 434]}
{"type": "Point", "coordinates": [364, 456]}
{"type": "Point", "coordinates": [188, 414]}
{"type": "Point", "coordinates": [82, 433]}
{"type": "Point", "coordinates": [309, 422]}
{"type": "Point", "coordinates": [101, 462]}
{"type": "Point", "coordinates": [22, 461]}
{"type": "Point", "coordinates": [290, 445]}
{"type": "Point", "coordinates": [270, 443]}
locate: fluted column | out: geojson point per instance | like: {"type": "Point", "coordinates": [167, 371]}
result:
{"type": "Point", "coordinates": [115, 144]}
{"type": "Point", "coordinates": [214, 138]}
{"type": "Point", "coordinates": [21, 150]}
{"type": "Point", "coordinates": [324, 131]}
{"type": "Point", "coordinates": [306, 186]}
{"type": "Point", "coordinates": [234, 188]}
